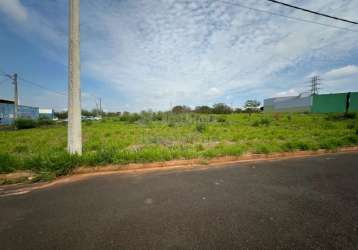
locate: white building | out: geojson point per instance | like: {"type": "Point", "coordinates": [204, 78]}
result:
{"type": "Point", "coordinates": [47, 113]}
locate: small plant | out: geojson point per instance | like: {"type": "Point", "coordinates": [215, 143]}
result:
{"type": "Point", "coordinates": [262, 149]}
{"type": "Point", "coordinates": [88, 123]}
{"type": "Point", "coordinates": [25, 123]}
{"type": "Point", "coordinates": [277, 116]}
{"type": "Point", "coordinates": [200, 127]}
{"type": "Point", "coordinates": [222, 119]}
{"type": "Point", "coordinates": [199, 147]}
{"type": "Point", "coordinates": [350, 115]}
{"type": "Point", "coordinates": [350, 125]}
{"type": "Point", "coordinates": [339, 117]}
{"type": "Point", "coordinates": [130, 117]}
{"type": "Point", "coordinates": [45, 122]}
{"type": "Point", "coordinates": [171, 124]}
{"type": "Point", "coordinates": [7, 163]}
{"type": "Point", "coordinates": [262, 122]}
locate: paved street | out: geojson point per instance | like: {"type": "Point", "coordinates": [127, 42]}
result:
{"type": "Point", "coordinates": [309, 203]}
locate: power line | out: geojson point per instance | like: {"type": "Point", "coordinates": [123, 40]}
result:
{"type": "Point", "coordinates": [41, 86]}
{"type": "Point", "coordinates": [1, 82]}
{"type": "Point", "coordinates": [312, 12]}
{"type": "Point", "coordinates": [288, 17]}
{"type": "Point", "coordinates": [35, 84]}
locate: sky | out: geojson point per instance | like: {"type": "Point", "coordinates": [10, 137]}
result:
{"type": "Point", "coordinates": [154, 54]}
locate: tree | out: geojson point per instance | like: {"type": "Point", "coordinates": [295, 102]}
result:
{"type": "Point", "coordinates": [181, 109]}
{"type": "Point", "coordinates": [61, 115]}
{"type": "Point", "coordinates": [221, 108]}
{"type": "Point", "coordinates": [203, 109]}
{"type": "Point", "coordinates": [238, 110]}
{"type": "Point", "coordinates": [86, 112]}
{"type": "Point", "coordinates": [252, 106]}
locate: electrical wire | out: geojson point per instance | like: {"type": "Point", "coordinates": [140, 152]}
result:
{"type": "Point", "coordinates": [313, 12]}
{"type": "Point", "coordinates": [3, 81]}
{"type": "Point", "coordinates": [288, 17]}
{"type": "Point", "coordinates": [42, 87]}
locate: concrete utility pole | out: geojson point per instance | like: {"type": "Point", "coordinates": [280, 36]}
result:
{"type": "Point", "coordinates": [74, 86]}
{"type": "Point", "coordinates": [16, 94]}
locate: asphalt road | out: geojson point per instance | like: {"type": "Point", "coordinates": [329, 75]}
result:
{"type": "Point", "coordinates": [307, 203]}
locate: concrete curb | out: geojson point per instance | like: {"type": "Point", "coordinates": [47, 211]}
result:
{"type": "Point", "coordinates": [194, 164]}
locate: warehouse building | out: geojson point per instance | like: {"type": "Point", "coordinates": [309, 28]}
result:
{"type": "Point", "coordinates": [47, 114]}
{"type": "Point", "coordinates": [325, 103]}
{"type": "Point", "coordinates": [7, 109]}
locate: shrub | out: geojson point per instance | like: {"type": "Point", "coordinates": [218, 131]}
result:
{"type": "Point", "coordinates": [350, 125]}
{"type": "Point", "coordinates": [277, 116]}
{"type": "Point", "coordinates": [45, 122]}
{"type": "Point", "coordinates": [171, 124]}
{"type": "Point", "coordinates": [262, 121]}
{"type": "Point", "coordinates": [222, 119]}
{"type": "Point", "coordinates": [200, 127]}
{"type": "Point", "coordinates": [350, 115]}
{"type": "Point", "coordinates": [59, 163]}
{"type": "Point", "coordinates": [130, 117]}
{"type": "Point", "coordinates": [25, 123]}
{"type": "Point", "coordinates": [262, 149]}
{"type": "Point", "coordinates": [339, 117]}
{"type": "Point", "coordinates": [7, 163]}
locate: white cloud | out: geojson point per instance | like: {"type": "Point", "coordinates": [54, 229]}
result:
{"type": "Point", "coordinates": [195, 53]}
{"type": "Point", "coordinates": [153, 53]}
{"type": "Point", "coordinates": [343, 72]}
{"type": "Point", "coordinates": [290, 92]}
{"type": "Point", "coordinates": [14, 9]}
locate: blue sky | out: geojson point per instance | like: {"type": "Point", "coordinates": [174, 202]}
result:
{"type": "Point", "coordinates": [151, 54]}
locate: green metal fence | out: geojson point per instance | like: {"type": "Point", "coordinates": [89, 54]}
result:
{"type": "Point", "coordinates": [353, 104]}
{"type": "Point", "coordinates": [327, 103]}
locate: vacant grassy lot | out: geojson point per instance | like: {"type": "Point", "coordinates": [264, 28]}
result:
{"type": "Point", "coordinates": [182, 136]}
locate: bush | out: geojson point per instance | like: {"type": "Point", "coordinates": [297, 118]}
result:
{"type": "Point", "coordinates": [45, 122]}
{"type": "Point", "coordinates": [350, 115]}
{"type": "Point", "coordinates": [130, 117]}
{"type": "Point", "coordinates": [339, 117]}
{"type": "Point", "coordinates": [261, 122]}
{"type": "Point", "coordinates": [222, 119]}
{"type": "Point", "coordinates": [25, 123]}
{"type": "Point", "coordinates": [351, 125]}
{"type": "Point", "coordinates": [200, 127]}
{"type": "Point", "coordinates": [171, 124]}
{"type": "Point", "coordinates": [7, 163]}
{"type": "Point", "coordinates": [262, 149]}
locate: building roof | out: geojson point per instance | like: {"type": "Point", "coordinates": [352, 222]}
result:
{"type": "Point", "coordinates": [45, 111]}
{"type": "Point", "coordinates": [6, 101]}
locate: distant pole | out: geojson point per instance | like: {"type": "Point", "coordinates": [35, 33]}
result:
{"type": "Point", "coordinates": [74, 86]}
{"type": "Point", "coordinates": [16, 97]}
{"type": "Point", "coordinates": [100, 106]}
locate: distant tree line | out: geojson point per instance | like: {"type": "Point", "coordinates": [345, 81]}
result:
{"type": "Point", "coordinates": [251, 106]}
{"type": "Point", "coordinates": [94, 112]}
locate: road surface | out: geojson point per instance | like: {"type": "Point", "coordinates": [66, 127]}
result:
{"type": "Point", "coordinates": [308, 203]}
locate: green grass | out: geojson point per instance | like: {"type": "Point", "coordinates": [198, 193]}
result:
{"type": "Point", "coordinates": [181, 136]}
